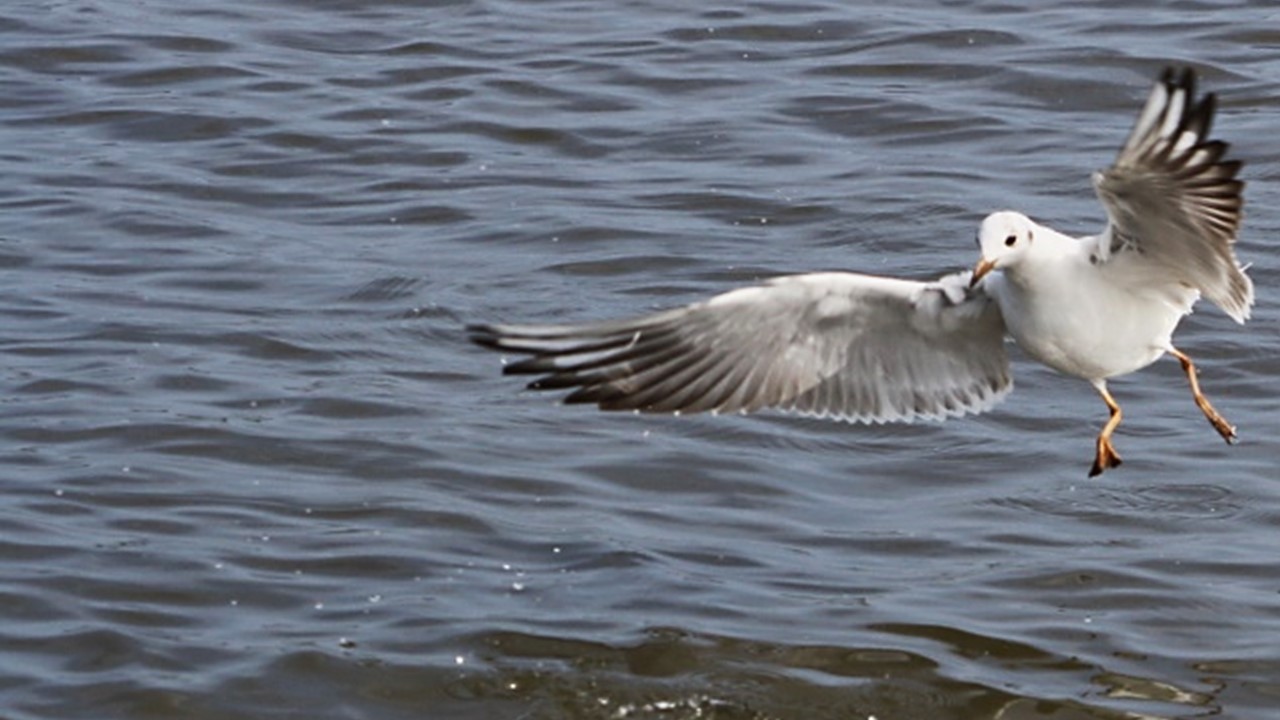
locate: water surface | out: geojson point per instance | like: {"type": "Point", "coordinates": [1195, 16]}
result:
{"type": "Point", "coordinates": [251, 467]}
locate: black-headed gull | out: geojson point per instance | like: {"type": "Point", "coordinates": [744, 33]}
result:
{"type": "Point", "coordinates": [875, 349]}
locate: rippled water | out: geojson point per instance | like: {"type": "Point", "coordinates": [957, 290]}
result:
{"type": "Point", "coordinates": [251, 468]}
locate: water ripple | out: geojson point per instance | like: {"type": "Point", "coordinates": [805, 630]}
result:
{"type": "Point", "coordinates": [253, 468]}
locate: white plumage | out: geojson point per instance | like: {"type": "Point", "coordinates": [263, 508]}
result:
{"type": "Point", "coordinates": [874, 349]}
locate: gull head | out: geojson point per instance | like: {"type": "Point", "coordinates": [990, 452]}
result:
{"type": "Point", "coordinates": [1003, 240]}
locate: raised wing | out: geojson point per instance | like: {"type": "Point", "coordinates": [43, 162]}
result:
{"type": "Point", "coordinates": [1172, 198]}
{"type": "Point", "coordinates": [840, 345]}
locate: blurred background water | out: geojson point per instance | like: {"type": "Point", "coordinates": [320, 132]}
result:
{"type": "Point", "coordinates": [251, 467]}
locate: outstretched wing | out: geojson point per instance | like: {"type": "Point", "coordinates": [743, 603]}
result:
{"type": "Point", "coordinates": [1173, 200]}
{"type": "Point", "coordinates": [841, 345]}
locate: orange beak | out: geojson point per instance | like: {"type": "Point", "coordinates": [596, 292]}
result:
{"type": "Point", "coordinates": [980, 270]}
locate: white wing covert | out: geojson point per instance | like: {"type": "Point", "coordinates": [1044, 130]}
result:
{"type": "Point", "coordinates": [841, 345]}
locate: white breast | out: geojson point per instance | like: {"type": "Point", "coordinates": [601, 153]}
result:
{"type": "Point", "coordinates": [1077, 319]}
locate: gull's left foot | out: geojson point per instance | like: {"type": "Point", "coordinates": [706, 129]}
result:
{"type": "Point", "coordinates": [1219, 423]}
{"type": "Point", "coordinates": [1224, 428]}
{"type": "Point", "coordinates": [1106, 459]}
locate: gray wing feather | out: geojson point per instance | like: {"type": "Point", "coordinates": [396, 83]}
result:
{"type": "Point", "coordinates": [1171, 199]}
{"type": "Point", "coordinates": [841, 345]}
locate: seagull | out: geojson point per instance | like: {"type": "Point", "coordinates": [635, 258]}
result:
{"type": "Point", "coordinates": [869, 349]}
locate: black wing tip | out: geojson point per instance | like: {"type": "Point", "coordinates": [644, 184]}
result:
{"type": "Point", "coordinates": [493, 337]}
{"type": "Point", "coordinates": [529, 366]}
{"type": "Point", "coordinates": [484, 335]}
{"type": "Point", "coordinates": [1186, 75]}
{"type": "Point", "coordinates": [1196, 116]}
{"type": "Point", "coordinates": [1196, 111]}
{"type": "Point", "coordinates": [505, 337]}
{"type": "Point", "coordinates": [1179, 77]}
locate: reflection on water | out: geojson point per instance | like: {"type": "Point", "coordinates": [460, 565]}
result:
{"type": "Point", "coordinates": [253, 468]}
{"type": "Point", "coordinates": [672, 673]}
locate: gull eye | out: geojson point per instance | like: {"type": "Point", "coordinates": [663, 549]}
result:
{"type": "Point", "coordinates": [1009, 241]}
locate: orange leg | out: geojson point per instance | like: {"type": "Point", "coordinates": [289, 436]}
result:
{"type": "Point", "coordinates": [1107, 456]}
{"type": "Point", "coordinates": [1219, 423]}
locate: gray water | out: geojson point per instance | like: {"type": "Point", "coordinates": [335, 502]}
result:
{"type": "Point", "coordinates": [252, 468]}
